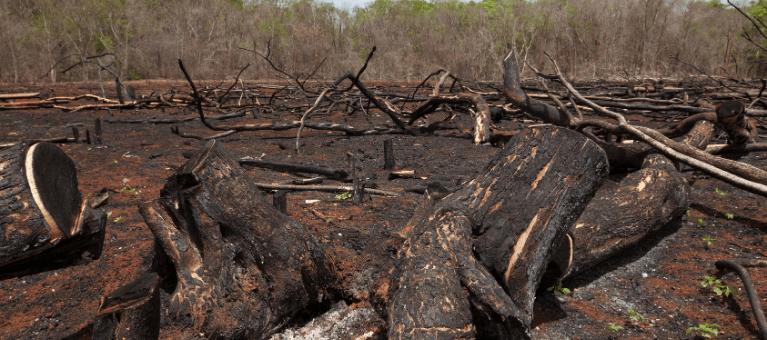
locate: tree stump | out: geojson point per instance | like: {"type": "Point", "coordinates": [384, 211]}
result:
{"type": "Point", "coordinates": [43, 217]}
{"type": "Point", "coordinates": [243, 269]}
{"type": "Point", "coordinates": [509, 216]}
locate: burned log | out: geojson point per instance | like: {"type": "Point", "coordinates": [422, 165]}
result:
{"type": "Point", "coordinates": [131, 312]}
{"type": "Point", "coordinates": [44, 220]}
{"type": "Point", "coordinates": [509, 216]}
{"type": "Point", "coordinates": [622, 214]}
{"type": "Point", "coordinates": [731, 117]}
{"type": "Point", "coordinates": [243, 269]}
{"type": "Point", "coordinates": [340, 322]}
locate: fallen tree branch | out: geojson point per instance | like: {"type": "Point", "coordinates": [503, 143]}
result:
{"type": "Point", "coordinates": [308, 169]}
{"type": "Point", "coordinates": [753, 297]}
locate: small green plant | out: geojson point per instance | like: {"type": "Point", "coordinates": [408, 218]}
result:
{"type": "Point", "coordinates": [614, 327]}
{"type": "Point", "coordinates": [721, 192]}
{"type": "Point", "coordinates": [119, 219]}
{"type": "Point", "coordinates": [709, 240]}
{"type": "Point", "coordinates": [127, 189]}
{"type": "Point", "coordinates": [704, 330]}
{"type": "Point", "coordinates": [716, 285]}
{"type": "Point", "coordinates": [729, 216]}
{"type": "Point", "coordinates": [344, 196]}
{"type": "Point", "coordinates": [701, 222]}
{"type": "Point", "coordinates": [635, 316]}
{"type": "Point", "coordinates": [559, 290]}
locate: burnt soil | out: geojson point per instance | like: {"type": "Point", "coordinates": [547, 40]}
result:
{"type": "Point", "coordinates": [660, 279]}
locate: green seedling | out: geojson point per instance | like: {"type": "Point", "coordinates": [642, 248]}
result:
{"type": "Point", "coordinates": [701, 222]}
{"type": "Point", "coordinates": [119, 219]}
{"type": "Point", "coordinates": [559, 290]}
{"type": "Point", "coordinates": [614, 327]}
{"type": "Point", "coordinates": [709, 240]}
{"type": "Point", "coordinates": [127, 189]}
{"type": "Point", "coordinates": [344, 196]}
{"type": "Point", "coordinates": [704, 330]}
{"type": "Point", "coordinates": [716, 285]}
{"type": "Point", "coordinates": [729, 216]}
{"type": "Point", "coordinates": [636, 317]}
{"type": "Point", "coordinates": [721, 192]}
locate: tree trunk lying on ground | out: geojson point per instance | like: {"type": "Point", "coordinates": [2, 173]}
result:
{"type": "Point", "coordinates": [243, 269]}
{"type": "Point", "coordinates": [508, 216]}
{"type": "Point", "coordinates": [623, 213]}
{"type": "Point", "coordinates": [470, 266]}
{"type": "Point", "coordinates": [44, 220]}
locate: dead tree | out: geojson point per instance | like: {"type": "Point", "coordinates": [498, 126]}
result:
{"type": "Point", "coordinates": [509, 216]}
{"type": "Point", "coordinates": [622, 214]}
{"type": "Point", "coordinates": [243, 269]}
{"type": "Point", "coordinates": [43, 217]}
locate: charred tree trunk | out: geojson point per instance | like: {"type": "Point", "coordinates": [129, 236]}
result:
{"type": "Point", "coordinates": [731, 117]}
{"type": "Point", "coordinates": [509, 216]}
{"type": "Point", "coordinates": [243, 269]}
{"type": "Point", "coordinates": [130, 312]}
{"type": "Point", "coordinates": [623, 213]}
{"type": "Point", "coordinates": [44, 220]}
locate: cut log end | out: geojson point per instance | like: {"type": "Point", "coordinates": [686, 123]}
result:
{"type": "Point", "coordinates": [43, 216]}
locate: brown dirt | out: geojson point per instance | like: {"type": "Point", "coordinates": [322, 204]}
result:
{"type": "Point", "coordinates": [660, 279]}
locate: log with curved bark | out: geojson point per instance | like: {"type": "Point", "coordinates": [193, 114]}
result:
{"type": "Point", "coordinates": [499, 227]}
{"type": "Point", "coordinates": [481, 116]}
{"type": "Point", "coordinates": [243, 269]}
{"type": "Point", "coordinates": [512, 89]}
{"type": "Point", "coordinates": [43, 216]}
{"type": "Point", "coordinates": [622, 214]}
{"type": "Point", "coordinates": [731, 117]}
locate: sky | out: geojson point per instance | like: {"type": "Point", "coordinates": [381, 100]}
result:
{"type": "Point", "coordinates": [349, 4]}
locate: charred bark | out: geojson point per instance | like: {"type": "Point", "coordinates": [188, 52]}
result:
{"type": "Point", "coordinates": [509, 216]}
{"type": "Point", "coordinates": [130, 312]}
{"type": "Point", "coordinates": [622, 214]}
{"type": "Point", "coordinates": [243, 269]}
{"type": "Point", "coordinates": [44, 220]}
{"type": "Point", "coordinates": [731, 117]}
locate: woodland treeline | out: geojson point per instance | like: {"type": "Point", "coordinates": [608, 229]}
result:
{"type": "Point", "coordinates": [67, 40]}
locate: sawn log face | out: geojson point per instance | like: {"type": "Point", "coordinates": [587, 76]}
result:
{"type": "Point", "coordinates": [43, 216]}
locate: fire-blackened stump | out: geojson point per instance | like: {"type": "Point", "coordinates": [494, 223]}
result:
{"type": "Point", "coordinates": [472, 267]}
{"type": "Point", "coordinates": [243, 269]}
{"type": "Point", "coordinates": [44, 220]}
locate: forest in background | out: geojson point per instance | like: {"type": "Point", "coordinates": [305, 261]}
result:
{"type": "Point", "coordinates": [66, 40]}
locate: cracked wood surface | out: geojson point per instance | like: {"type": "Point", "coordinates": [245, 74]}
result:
{"type": "Point", "coordinates": [243, 269]}
{"type": "Point", "coordinates": [509, 217]}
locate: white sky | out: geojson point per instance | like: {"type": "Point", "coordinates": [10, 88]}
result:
{"type": "Point", "coordinates": [348, 4]}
